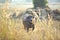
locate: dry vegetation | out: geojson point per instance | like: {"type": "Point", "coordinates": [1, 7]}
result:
{"type": "Point", "coordinates": [11, 29]}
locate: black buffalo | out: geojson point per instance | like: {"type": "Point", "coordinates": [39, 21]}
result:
{"type": "Point", "coordinates": [27, 20]}
{"type": "Point", "coordinates": [55, 14]}
{"type": "Point", "coordinates": [28, 23]}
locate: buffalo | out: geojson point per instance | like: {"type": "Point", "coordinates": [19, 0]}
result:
{"type": "Point", "coordinates": [27, 20]}
{"type": "Point", "coordinates": [56, 14]}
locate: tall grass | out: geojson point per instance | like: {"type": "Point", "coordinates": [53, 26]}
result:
{"type": "Point", "coordinates": [11, 29]}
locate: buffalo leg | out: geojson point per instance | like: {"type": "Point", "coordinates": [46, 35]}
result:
{"type": "Point", "coordinates": [27, 29]}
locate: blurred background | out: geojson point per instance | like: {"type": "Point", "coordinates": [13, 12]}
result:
{"type": "Point", "coordinates": [27, 3]}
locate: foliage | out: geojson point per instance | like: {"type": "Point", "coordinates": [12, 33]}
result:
{"type": "Point", "coordinates": [39, 3]}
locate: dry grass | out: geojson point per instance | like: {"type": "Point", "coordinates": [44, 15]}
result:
{"type": "Point", "coordinates": [11, 29]}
